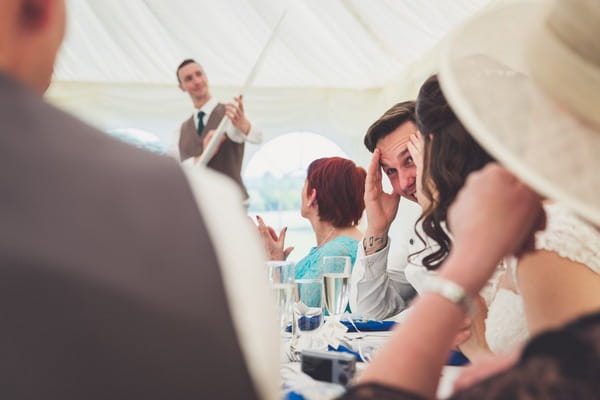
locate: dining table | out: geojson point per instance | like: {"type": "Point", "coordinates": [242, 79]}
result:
{"type": "Point", "coordinates": [297, 385]}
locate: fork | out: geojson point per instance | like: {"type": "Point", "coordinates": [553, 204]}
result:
{"type": "Point", "coordinates": [293, 354]}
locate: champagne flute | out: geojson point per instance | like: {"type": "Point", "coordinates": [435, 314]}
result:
{"type": "Point", "coordinates": [281, 279]}
{"type": "Point", "coordinates": [336, 284]}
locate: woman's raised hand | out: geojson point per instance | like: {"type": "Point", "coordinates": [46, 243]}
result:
{"type": "Point", "coordinates": [272, 242]}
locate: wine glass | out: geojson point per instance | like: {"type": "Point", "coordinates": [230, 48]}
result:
{"type": "Point", "coordinates": [308, 312]}
{"type": "Point", "coordinates": [336, 284]}
{"type": "Point", "coordinates": [309, 303]}
{"type": "Point", "coordinates": [281, 279]}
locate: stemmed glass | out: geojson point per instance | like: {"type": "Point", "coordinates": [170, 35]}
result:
{"type": "Point", "coordinates": [336, 284]}
{"type": "Point", "coordinates": [308, 312]}
{"type": "Point", "coordinates": [281, 279]}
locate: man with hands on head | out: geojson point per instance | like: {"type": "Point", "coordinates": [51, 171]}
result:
{"type": "Point", "coordinates": [379, 288]}
{"type": "Point", "coordinates": [198, 130]}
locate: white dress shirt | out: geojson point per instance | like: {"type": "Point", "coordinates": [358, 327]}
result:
{"type": "Point", "coordinates": [255, 135]}
{"type": "Point", "coordinates": [242, 260]}
{"type": "Point", "coordinates": [379, 287]}
{"type": "Point", "coordinates": [381, 282]}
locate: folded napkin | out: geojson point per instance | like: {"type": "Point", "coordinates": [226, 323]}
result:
{"type": "Point", "coordinates": [344, 349]}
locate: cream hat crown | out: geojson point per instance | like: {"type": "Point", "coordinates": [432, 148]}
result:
{"type": "Point", "coordinates": [525, 81]}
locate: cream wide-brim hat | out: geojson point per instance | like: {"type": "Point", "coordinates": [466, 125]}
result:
{"type": "Point", "coordinates": [524, 79]}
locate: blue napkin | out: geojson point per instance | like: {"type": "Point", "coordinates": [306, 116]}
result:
{"type": "Point", "coordinates": [344, 349]}
{"type": "Point", "coordinates": [310, 323]}
{"type": "Point", "coordinates": [457, 359]}
{"type": "Point", "coordinates": [293, 396]}
{"type": "Point", "coordinates": [369, 326]}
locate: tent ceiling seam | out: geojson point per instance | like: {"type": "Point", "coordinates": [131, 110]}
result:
{"type": "Point", "coordinates": [380, 41]}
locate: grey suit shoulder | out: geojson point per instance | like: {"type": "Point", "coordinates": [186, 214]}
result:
{"type": "Point", "coordinates": [108, 273]}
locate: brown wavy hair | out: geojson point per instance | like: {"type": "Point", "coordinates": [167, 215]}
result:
{"type": "Point", "coordinates": [450, 155]}
{"type": "Point", "coordinates": [389, 122]}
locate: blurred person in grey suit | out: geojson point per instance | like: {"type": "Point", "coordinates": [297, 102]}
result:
{"type": "Point", "coordinates": [115, 282]}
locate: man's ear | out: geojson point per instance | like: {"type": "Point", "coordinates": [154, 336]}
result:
{"type": "Point", "coordinates": [35, 14]}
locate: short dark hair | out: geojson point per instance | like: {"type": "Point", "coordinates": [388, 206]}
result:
{"type": "Point", "coordinates": [183, 64]}
{"type": "Point", "coordinates": [340, 186]}
{"type": "Point", "coordinates": [388, 122]}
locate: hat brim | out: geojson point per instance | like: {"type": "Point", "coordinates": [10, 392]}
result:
{"type": "Point", "coordinates": [484, 76]}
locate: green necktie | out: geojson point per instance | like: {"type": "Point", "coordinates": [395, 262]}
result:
{"type": "Point", "coordinates": [201, 115]}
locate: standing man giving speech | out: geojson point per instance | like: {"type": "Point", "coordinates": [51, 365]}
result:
{"type": "Point", "coordinates": [196, 132]}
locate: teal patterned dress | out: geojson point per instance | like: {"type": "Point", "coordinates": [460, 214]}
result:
{"type": "Point", "coordinates": [310, 266]}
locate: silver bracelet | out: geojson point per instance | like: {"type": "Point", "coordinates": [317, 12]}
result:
{"type": "Point", "coordinates": [451, 291]}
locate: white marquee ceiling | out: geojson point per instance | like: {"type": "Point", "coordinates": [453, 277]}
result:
{"type": "Point", "coordinates": [335, 65]}
{"type": "Point", "coordinates": [322, 43]}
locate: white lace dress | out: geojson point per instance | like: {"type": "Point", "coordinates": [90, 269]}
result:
{"type": "Point", "coordinates": [566, 235]}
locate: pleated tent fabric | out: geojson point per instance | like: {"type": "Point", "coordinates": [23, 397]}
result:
{"type": "Point", "coordinates": [334, 67]}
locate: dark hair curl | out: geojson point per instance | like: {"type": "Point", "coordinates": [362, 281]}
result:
{"type": "Point", "coordinates": [450, 155]}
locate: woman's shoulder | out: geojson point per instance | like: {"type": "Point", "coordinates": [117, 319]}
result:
{"type": "Point", "coordinates": [308, 266]}
{"type": "Point", "coordinates": [340, 246]}
{"type": "Point", "coordinates": [569, 236]}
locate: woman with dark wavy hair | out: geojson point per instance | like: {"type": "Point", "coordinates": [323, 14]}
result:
{"type": "Point", "coordinates": [450, 155]}
{"type": "Point", "coordinates": [445, 154]}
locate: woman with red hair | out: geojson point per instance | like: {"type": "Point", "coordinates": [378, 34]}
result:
{"type": "Point", "coordinates": [332, 200]}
